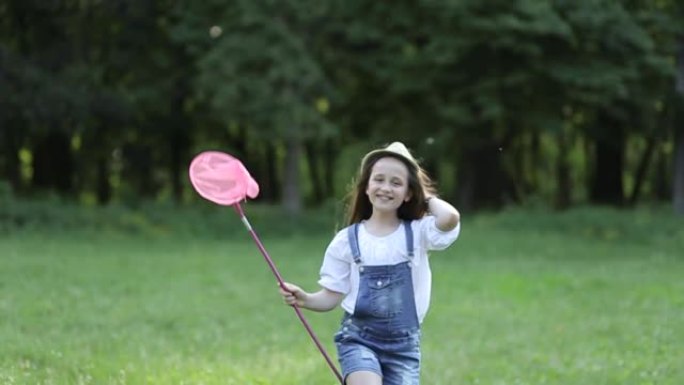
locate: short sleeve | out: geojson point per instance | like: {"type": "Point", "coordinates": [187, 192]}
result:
{"type": "Point", "coordinates": [336, 269]}
{"type": "Point", "coordinates": [434, 238]}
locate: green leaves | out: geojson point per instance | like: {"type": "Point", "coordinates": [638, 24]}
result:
{"type": "Point", "coordinates": [262, 72]}
{"type": "Point", "coordinates": [235, 73]}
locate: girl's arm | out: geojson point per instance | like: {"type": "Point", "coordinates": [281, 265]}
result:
{"type": "Point", "coordinates": [446, 215]}
{"type": "Point", "coordinates": [322, 300]}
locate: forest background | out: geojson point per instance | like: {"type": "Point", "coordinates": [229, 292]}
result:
{"type": "Point", "coordinates": [543, 103]}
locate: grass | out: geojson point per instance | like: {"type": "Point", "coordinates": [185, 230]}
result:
{"type": "Point", "coordinates": [586, 297]}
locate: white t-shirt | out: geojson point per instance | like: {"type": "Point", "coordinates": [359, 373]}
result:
{"type": "Point", "coordinates": [339, 273]}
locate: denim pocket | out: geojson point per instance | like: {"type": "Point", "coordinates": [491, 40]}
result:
{"type": "Point", "coordinates": [385, 296]}
{"type": "Point", "coordinates": [346, 332]}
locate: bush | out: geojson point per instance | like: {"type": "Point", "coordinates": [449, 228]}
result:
{"type": "Point", "coordinates": [148, 219]}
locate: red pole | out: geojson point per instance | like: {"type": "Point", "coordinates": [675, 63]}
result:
{"type": "Point", "coordinates": [268, 259]}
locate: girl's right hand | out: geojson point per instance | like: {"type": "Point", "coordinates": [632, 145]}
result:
{"type": "Point", "coordinates": [293, 295]}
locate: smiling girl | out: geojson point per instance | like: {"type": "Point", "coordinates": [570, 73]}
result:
{"type": "Point", "coordinates": [378, 270]}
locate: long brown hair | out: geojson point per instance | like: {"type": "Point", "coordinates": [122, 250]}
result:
{"type": "Point", "coordinates": [359, 206]}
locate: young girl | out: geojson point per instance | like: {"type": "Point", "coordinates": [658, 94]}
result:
{"type": "Point", "coordinates": [377, 269]}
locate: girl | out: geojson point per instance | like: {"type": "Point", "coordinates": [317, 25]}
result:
{"type": "Point", "coordinates": [377, 269]}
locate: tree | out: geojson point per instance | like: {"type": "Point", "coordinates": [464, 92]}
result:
{"type": "Point", "coordinates": [678, 184]}
{"type": "Point", "coordinates": [260, 73]}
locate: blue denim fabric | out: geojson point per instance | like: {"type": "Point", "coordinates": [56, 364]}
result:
{"type": "Point", "coordinates": [383, 334]}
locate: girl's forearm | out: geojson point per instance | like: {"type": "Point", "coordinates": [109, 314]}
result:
{"type": "Point", "coordinates": [446, 215]}
{"type": "Point", "coordinates": [322, 300]}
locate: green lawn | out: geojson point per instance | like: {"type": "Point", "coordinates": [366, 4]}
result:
{"type": "Point", "coordinates": [583, 298]}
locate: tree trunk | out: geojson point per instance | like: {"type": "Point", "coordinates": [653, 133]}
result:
{"type": "Point", "coordinates": [606, 186]}
{"type": "Point", "coordinates": [431, 167]}
{"type": "Point", "coordinates": [329, 156]}
{"type": "Point", "coordinates": [180, 127]}
{"type": "Point", "coordinates": [138, 171]}
{"type": "Point", "coordinates": [640, 175]}
{"type": "Point", "coordinates": [52, 162]}
{"type": "Point", "coordinates": [564, 192]}
{"type": "Point", "coordinates": [678, 177]}
{"type": "Point", "coordinates": [271, 185]}
{"type": "Point", "coordinates": [292, 199]}
{"type": "Point", "coordinates": [179, 143]}
{"type": "Point", "coordinates": [517, 168]}
{"type": "Point", "coordinates": [535, 156]}
{"type": "Point", "coordinates": [312, 156]}
{"type": "Point", "coordinates": [237, 142]}
{"type": "Point", "coordinates": [663, 186]}
{"type": "Point", "coordinates": [103, 188]}
{"type": "Point", "coordinates": [482, 179]}
{"type": "Point", "coordinates": [678, 182]}
{"type": "Point", "coordinates": [12, 163]}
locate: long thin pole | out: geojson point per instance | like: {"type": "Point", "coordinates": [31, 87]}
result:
{"type": "Point", "coordinates": [268, 259]}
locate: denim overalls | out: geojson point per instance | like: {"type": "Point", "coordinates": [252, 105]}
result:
{"type": "Point", "coordinates": [383, 334]}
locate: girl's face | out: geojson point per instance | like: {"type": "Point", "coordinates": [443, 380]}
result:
{"type": "Point", "coordinates": [388, 186]}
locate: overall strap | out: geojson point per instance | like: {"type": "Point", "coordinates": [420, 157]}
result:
{"type": "Point", "coordinates": [409, 237]}
{"type": "Point", "coordinates": [353, 236]}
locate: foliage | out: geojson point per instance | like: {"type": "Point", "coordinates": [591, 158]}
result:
{"type": "Point", "coordinates": [259, 71]}
{"type": "Point", "coordinates": [137, 87]}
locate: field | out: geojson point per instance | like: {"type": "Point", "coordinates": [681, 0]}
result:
{"type": "Point", "coordinates": [588, 297]}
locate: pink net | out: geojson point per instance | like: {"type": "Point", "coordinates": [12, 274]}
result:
{"type": "Point", "coordinates": [221, 178]}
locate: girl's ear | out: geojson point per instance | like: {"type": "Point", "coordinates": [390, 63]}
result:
{"type": "Point", "coordinates": [409, 195]}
